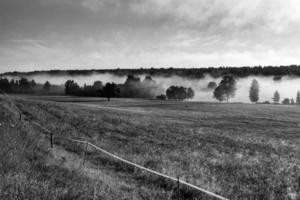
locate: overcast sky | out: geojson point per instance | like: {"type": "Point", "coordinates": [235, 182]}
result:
{"type": "Point", "coordinates": [73, 34]}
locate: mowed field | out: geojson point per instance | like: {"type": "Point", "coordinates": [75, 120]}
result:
{"type": "Point", "coordinates": [239, 151]}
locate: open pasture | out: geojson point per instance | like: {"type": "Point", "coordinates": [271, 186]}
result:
{"type": "Point", "coordinates": [240, 151]}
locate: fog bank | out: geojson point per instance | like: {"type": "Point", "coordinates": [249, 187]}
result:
{"type": "Point", "coordinates": [287, 86]}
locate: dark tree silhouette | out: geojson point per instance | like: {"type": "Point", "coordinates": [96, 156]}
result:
{"type": "Point", "coordinates": [254, 91]}
{"type": "Point", "coordinates": [194, 73]}
{"type": "Point", "coordinates": [277, 78]}
{"type": "Point", "coordinates": [111, 90]}
{"type": "Point", "coordinates": [5, 85]}
{"type": "Point", "coordinates": [161, 97]}
{"type": "Point", "coordinates": [97, 88]}
{"type": "Point", "coordinates": [24, 83]}
{"type": "Point", "coordinates": [212, 85]}
{"type": "Point", "coordinates": [190, 93]}
{"type": "Point", "coordinates": [276, 97]}
{"type": "Point", "coordinates": [292, 101]}
{"type": "Point", "coordinates": [298, 98]}
{"type": "Point", "coordinates": [47, 86]}
{"type": "Point", "coordinates": [286, 101]}
{"type": "Point", "coordinates": [226, 88]}
{"type": "Point", "coordinates": [135, 88]}
{"type": "Point", "coordinates": [179, 93]}
{"type": "Point", "coordinates": [72, 88]}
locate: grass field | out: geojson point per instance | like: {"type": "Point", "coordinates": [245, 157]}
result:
{"type": "Point", "coordinates": [239, 151]}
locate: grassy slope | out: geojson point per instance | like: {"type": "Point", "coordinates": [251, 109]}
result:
{"type": "Point", "coordinates": [239, 151]}
{"type": "Point", "coordinates": [26, 171]}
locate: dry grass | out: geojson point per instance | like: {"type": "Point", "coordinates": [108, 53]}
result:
{"type": "Point", "coordinates": [24, 173]}
{"type": "Point", "coordinates": [239, 151]}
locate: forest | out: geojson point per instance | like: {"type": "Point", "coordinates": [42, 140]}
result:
{"type": "Point", "coordinates": [195, 73]}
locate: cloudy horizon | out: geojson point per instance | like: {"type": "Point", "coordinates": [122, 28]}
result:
{"type": "Point", "coordinates": [84, 34]}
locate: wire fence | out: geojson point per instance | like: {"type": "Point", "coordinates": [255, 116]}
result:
{"type": "Point", "coordinates": [176, 180]}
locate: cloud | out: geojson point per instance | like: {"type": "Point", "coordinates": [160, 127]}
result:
{"type": "Point", "coordinates": [110, 33]}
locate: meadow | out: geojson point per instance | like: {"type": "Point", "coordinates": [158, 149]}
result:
{"type": "Point", "coordinates": [239, 151]}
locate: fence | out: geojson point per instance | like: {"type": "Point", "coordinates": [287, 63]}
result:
{"type": "Point", "coordinates": [176, 180]}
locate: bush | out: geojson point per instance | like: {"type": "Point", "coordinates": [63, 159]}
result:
{"type": "Point", "coordinates": [161, 97]}
{"type": "Point", "coordinates": [286, 101]}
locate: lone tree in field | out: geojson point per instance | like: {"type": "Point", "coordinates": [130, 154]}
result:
{"type": "Point", "coordinates": [111, 90]}
{"type": "Point", "coordinates": [226, 88]}
{"type": "Point", "coordinates": [47, 86]}
{"type": "Point", "coordinates": [276, 97]}
{"type": "Point", "coordinates": [298, 98]}
{"type": "Point", "coordinates": [254, 91]}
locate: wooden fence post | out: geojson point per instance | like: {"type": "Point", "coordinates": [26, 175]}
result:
{"type": "Point", "coordinates": [85, 150]}
{"type": "Point", "coordinates": [178, 188]}
{"type": "Point", "coordinates": [51, 140]}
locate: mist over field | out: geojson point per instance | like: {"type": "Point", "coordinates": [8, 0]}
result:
{"type": "Point", "coordinates": [287, 86]}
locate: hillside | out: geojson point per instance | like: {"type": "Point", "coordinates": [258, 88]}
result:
{"type": "Point", "coordinates": [239, 151]}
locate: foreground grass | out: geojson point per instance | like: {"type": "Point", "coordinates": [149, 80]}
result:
{"type": "Point", "coordinates": [238, 151]}
{"type": "Point", "coordinates": [24, 172]}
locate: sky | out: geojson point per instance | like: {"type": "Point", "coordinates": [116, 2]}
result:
{"type": "Point", "coordinates": [84, 34]}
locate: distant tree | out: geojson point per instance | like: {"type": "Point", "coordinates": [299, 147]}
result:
{"type": "Point", "coordinates": [97, 87]}
{"type": "Point", "coordinates": [226, 88]}
{"type": "Point", "coordinates": [133, 87]}
{"type": "Point", "coordinates": [5, 85]}
{"type": "Point", "coordinates": [292, 101]}
{"type": "Point", "coordinates": [298, 98]}
{"type": "Point", "coordinates": [254, 91]}
{"type": "Point", "coordinates": [24, 83]}
{"type": "Point", "coordinates": [47, 86]}
{"type": "Point", "coordinates": [179, 93]}
{"type": "Point", "coordinates": [266, 102]}
{"type": "Point", "coordinates": [190, 93]}
{"type": "Point", "coordinates": [276, 97]}
{"type": "Point", "coordinates": [277, 78]}
{"type": "Point", "coordinates": [286, 101]}
{"type": "Point", "coordinates": [212, 85]}
{"type": "Point", "coordinates": [111, 90]}
{"type": "Point", "coordinates": [32, 83]}
{"type": "Point", "coordinates": [72, 88]}
{"type": "Point", "coordinates": [161, 97]}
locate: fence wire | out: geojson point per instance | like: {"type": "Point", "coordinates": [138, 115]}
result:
{"type": "Point", "coordinates": [131, 163]}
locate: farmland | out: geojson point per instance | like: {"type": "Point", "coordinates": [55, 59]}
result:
{"type": "Point", "coordinates": [240, 151]}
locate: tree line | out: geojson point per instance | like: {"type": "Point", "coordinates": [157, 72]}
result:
{"type": "Point", "coordinates": [133, 87]}
{"type": "Point", "coordinates": [17, 86]}
{"type": "Point", "coordinates": [227, 88]}
{"type": "Point", "coordinates": [197, 73]}
{"type": "Point", "coordinates": [26, 86]}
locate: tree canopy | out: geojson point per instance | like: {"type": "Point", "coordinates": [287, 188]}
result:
{"type": "Point", "coordinates": [111, 90]}
{"type": "Point", "coordinates": [276, 97]}
{"type": "Point", "coordinates": [226, 88]}
{"type": "Point", "coordinates": [254, 91]}
{"type": "Point", "coordinates": [196, 73]}
{"type": "Point", "coordinates": [179, 93]}
{"type": "Point", "coordinates": [298, 98]}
